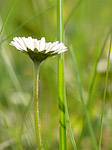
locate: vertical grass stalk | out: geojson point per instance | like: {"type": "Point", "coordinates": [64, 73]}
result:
{"type": "Point", "coordinates": [61, 86]}
{"type": "Point", "coordinates": [36, 106]}
{"type": "Point", "coordinates": [104, 96]}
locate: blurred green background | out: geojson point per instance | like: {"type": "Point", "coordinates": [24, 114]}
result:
{"type": "Point", "coordinates": [85, 32]}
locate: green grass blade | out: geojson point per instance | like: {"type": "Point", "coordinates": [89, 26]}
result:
{"type": "Point", "coordinates": [24, 117]}
{"type": "Point", "coordinates": [61, 86]}
{"type": "Point", "coordinates": [89, 99]}
{"type": "Point", "coordinates": [72, 12]}
{"type": "Point", "coordinates": [27, 21]}
{"type": "Point", "coordinates": [2, 113]}
{"type": "Point", "coordinates": [104, 96]}
{"type": "Point", "coordinates": [95, 71]}
{"type": "Point", "coordinates": [9, 66]}
{"type": "Point", "coordinates": [6, 20]}
{"type": "Point", "coordinates": [69, 126]}
{"type": "Point", "coordinates": [83, 103]}
{"type": "Point", "coordinates": [66, 108]}
{"type": "Point", "coordinates": [81, 134]}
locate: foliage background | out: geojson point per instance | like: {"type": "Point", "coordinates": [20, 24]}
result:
{"type": "Point", "coordinates": [85, 31]}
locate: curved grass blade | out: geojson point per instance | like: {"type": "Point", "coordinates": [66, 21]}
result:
{"type": "Point", "coordinates": [27, 21]}
{"type": "Point", "coordinates": [104, 96]}
{"type": "Point", "coordinates": [6, 20]}
{"type": "Point", "coordinates": [82, 100]}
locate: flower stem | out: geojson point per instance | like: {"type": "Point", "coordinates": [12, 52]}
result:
{"type": "Point", "coordinates": [36, 106]}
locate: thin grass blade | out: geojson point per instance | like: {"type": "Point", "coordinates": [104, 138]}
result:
{"type": "Point", "coordinates": [95, 71]}
{"type": "Point", "coordinates": [24, 117]}
{"type": "Point", "coordinates": [73, 11]}
{"type": "Point", "coordinates": [6, 20]}
{"type": "Point", "coordinates": [12, 73]}
{"type": "Point", "coordinates": [89, 99]}
{"type": "Point", "coordinates": [82, 100]}
{"type": "Point", "coordinates": [69, 126]}
{"type": "Point", "coordinates": [27, 21]}
{"type": "Point", "coordinates": [104, 97]}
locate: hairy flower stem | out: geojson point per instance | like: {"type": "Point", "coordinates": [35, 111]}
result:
{"type": "Point", "coordinates": [36, 106]}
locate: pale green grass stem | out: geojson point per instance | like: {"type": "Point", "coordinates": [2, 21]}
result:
{"type": "Point", "coordinates": [61, 84]}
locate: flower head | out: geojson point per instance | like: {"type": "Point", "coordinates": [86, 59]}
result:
{"type": "Point", "coordinates": [38, 50]}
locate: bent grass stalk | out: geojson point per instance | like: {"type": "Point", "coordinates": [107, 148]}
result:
{"type": "Point", "coordinates": [61, 86]}
{"type": "Point", "coordinates": [104, 96]}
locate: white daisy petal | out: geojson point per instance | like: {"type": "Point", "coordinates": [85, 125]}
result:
{"type": "Point", "coordinates": [63, 50]}
{"type": "Point", "coordinates": [36, 44]}
{"type": "Point", "coordinates": [51, 46]}
{"type": "Point", "coordinates": [59, 47]}
{"type": "Point", "coordinates": [42, 44]}
{"type": "Point", "coordinates": [31, 45]}
{"type": "Point", "coordinates": [47, 45]}
{"type": "Point", "coordinates": [20, 41]}
{"type": "Point", "coordinates": [23, 44]}
{"type": "Point", "coordinates": [26, 42]}
{"type": "Point", "coordinates": [16, 45]}
{"type": "Point", "coordinates": [55, 47]}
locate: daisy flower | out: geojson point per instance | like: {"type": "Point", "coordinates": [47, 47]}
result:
{"type": "Point", "coordinates": [38, 50]}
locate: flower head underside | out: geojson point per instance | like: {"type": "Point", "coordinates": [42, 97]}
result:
{"type": "Point", "coordinates": [38, 50]}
